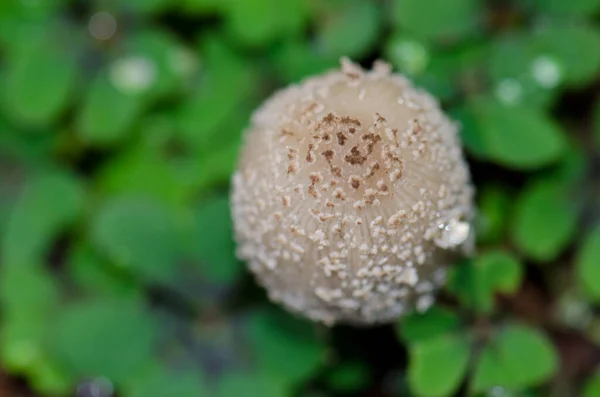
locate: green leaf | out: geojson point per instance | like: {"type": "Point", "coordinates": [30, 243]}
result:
{"type": "Point", "coordinates": [215, 115]}
{"type": "Point", "coordinates": [27, 291]}
{"type": "Point", "coordinates": [32, 149]}
{"type": "Point", "coordinates": [438, 365]}
{"type": "Point", "coordinates": [588, 264]}
{"type": "Point", "coordinates": [526, 67]}
{"type": "Point", "coordinates": [348, 377]}
{"type": "Point", "coordinates": [592, 387]}
{"type": "Point", "coordinates": [217, 168]}
{"type": "Point", "coordinates": [202, 7]}
{"type": "Point", "coordinates": [518, 357]}
{"type": "Point", "coordinates": [140, 235]}
{"type": "Point", "coordinates": [470, 131]}
{"type": "Point", "coordinates": [271, 19]}
{"type": "Point", "coordinates": [502, 271]}
{"type": "Point", "coordinates": [573, 166]}
{"type": "Point", "coordinates": [518, 137]}
{"type": "Point", "coordinates": [438, 19]}
{"type": "Point", "coordinates": [111, 106]}
{"type": "Point", "coordinates": [145, 172]}
{"type": "Point", "coordinates": [441, 72]}
{"type": "Point", "coordinates": [13, 8]}
{"type": "Point", "coordinates": [575, 7]}
{"type": "Point", "coordinates": [475, 282]}
{"type": "Point", "coordinates": [522, 74]}
{"type": "Point", "coordinates": [37, 219]}
{"type": "Point", "coordinates": [213, 243]}
{"type": "Point", "coordinates": [350, 30]}
{"type": "Point", "coordinates": [29, 298]}
{"type": "Point", "coordinates": [159, 381]}
{"type": "Point", "coordinates": [596, 125]}
{"type": "Point", "coordinates": [146, 6]}
{"type": "Point", "coordinates": [92, 274]}
{"type": "Point", "coordinates": [408, 55]}
{"type": "Point", "coordinates": [235, 384]}
{"type": "Point", "coordinates": [417, 327]}
{"type": "Point", "coordinates": [171, 63]}
{"type": "Point", "coordinates": [574, 47]}
{"type": "Point", "coordinates": [546, 218]}
{"type": "Point", "coordinates": [296, 59]}
{"type": "Point", "coordinates": [21, 343]}
{"type": "Point", "coordinates": [276, 337]}
{"type": "Point", "coordinates": [494, 203]}
{"type": "Point", "coordinates": [38, 84]}
{"type": "Point", "coordinates": [49, 379]}
{"type": "Point", "coordinates": [104, 338]}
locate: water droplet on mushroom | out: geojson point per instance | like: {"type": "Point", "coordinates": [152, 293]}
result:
{"type": "Point", "coordinates": [453, 234]}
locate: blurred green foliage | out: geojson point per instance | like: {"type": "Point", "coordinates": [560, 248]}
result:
{"type": "Point", "coordinates": [120, 123]}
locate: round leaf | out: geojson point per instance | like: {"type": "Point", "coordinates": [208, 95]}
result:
{"type": "Point", "coordinates": [588, 264]}
{"type": "Point", "coordinates": [521, 73]}
{"type": "Point", "coordinates": [213, 243]}
{"type": "Point", "coordinates": [38, 84]}
{"type": "Point", "coordinates": [438, 19]}
{"type": "Point", "coordinates": [276, 337]}
{"type": "Point", "coordinates": [104, 338]}
{"type": "Point", "coordinates": [146, 6]}
{"type": "Point", "coordinates": [592, 387]}
{"type": "Point", "coordinates": [138, 234]}
{"type": "Point", "coordinates": [574, 47]}
{"type": "Point", "coordinates": [351, 30]}
{"type": "Point", "coordinates": [597, 124]}
{"type": "Point", "coordinates": [142, 171]}
{"type": "Point", "coordinates": [170, 63]}
{"type": "Point", "coordinates": [574, 7]}
{"type": "Point", "coordinates": [518, 357]}
{"type": "Point", "coordinates": [546, 217]}
{"type": "Point", "coordinates": [36, 220]}
{"type": "Point", "coordinates": [438, 365]}
{"type": "Point", "coordinates": [494, 204]}
{"type": "Point", "coordinates": [108, 112]}
{"type": "Point", "coordinates": [434, 322]}
{"type": "Point", "coordinates": [211, 118]}
{"type": "Point", "coordinates": [163, 382]}
{"type": "Point", "coordinates": [93, 274]}
{"type": "Point", "coordinates": [349, 377]}
{"type": "Point", "coordinates": [476, 282]}
{"type": "Point", "coordinates": [270, 19]}
{"type": "Point", "coordinates": [502, 271]}
{"type": "Point", "coordinates": [518, 137]}
{"type": "Point", "coordinates": [239, 384]}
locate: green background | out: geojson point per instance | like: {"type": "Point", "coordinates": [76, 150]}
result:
{"type": "Point", "coordinates": [120, 122]}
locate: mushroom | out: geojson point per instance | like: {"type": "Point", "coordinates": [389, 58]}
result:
{"type": "Point", "coordinates": [352, 196]}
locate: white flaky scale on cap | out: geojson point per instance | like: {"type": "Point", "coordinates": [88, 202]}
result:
{"type": "Point", "coordinates": [352, 196]}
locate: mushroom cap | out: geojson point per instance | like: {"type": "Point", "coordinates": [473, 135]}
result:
{"type": "Point", "coordinates": [352, 196]}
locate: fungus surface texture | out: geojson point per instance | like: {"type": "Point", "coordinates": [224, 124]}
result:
{"type": "Point", "coordinates": [352, 197]}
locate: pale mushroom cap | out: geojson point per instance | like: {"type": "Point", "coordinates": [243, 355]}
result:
{"type": "Point", "coordinates": [352, 196]}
